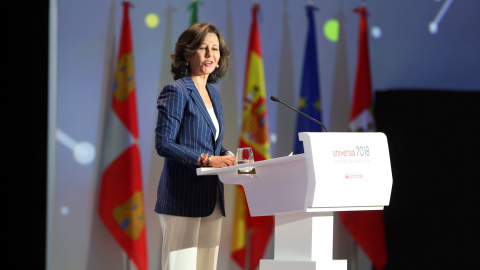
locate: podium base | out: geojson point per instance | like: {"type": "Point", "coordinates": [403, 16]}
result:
{"type": "Point", "coordinates": [303, 265]}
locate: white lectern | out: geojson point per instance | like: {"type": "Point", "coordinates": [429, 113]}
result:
{"type": "Point", "coordinates": [345, 171]}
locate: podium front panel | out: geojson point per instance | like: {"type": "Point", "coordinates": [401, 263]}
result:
{"type": "Point", "coordinates": [347, 169]}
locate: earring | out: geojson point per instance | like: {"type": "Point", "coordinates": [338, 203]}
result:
{"type": "Point", "coordinates": [218, 66]}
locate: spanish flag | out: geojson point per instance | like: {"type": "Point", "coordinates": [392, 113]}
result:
{"type": "Point", "coordinates": [252, 231]}
{"type": "Point", "coordinates": [366, 227]}
{"type": "Point", "coordinates": [121, 197]}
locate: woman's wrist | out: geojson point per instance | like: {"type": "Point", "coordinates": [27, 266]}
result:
{"type": "Point", "coordinates": [209, 159]}
{"type": "Point", "coordinates": [200, 159]}
{"type": "Point", "coordinates": [204, 161]}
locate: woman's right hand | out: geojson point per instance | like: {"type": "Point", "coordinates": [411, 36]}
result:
{"type": "Point", "coordinates": [221, 161]}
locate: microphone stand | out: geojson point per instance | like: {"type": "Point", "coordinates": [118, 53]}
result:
{"type": "Point", "coordinates": [274, 98]}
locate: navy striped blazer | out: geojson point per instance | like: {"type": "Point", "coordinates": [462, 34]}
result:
{"type": "Point", "coordinates": [185, 130]}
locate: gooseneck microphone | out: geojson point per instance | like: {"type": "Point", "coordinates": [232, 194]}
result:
{"type": "Point", "coordinates": [274, 98]}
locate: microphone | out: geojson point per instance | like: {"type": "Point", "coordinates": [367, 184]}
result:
{"type": "Point", "coordinates": [274, 98]}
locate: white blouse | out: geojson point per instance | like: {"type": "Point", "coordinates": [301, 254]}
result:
{"type": "Point", "coordinates": [215, 121]}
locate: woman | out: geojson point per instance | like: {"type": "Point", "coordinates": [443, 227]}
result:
{"type": "Point", "coordinates": [189, 134]}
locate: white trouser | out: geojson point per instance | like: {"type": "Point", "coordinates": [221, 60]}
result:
{"type": "Point", "coordinates": [191, 242]}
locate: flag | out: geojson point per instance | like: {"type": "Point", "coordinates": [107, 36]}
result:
{"type": "Point", "coordinates": [361, 114]}
{"type": "Point", "coordinates": [194, 7]}
{"type": "Point", "coordinates": [121, 198]}
{"type": "Point", "coordinates": [247, 230]}
{"type": "Point", "coordinates": [309, 101]}
{"type": "Point", "coordinates": [366, 227]}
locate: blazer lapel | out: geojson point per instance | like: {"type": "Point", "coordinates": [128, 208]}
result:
{"type": "Point", "coordinates": [197, 99]}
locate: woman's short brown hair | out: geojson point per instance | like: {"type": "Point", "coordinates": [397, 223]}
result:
{"type": "Point", "coordinates": [189, 42]}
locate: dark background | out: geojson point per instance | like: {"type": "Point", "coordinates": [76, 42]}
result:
{"type": "Point", "coordinates": [25, 109]}
{"type": "Point", "coordinates": [432, 219]}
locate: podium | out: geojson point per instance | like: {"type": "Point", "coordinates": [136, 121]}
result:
{"type": "Point", "coordinates": [339, 171]}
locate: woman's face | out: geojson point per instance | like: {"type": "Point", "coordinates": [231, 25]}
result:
{"type": "Point", "coordinates": [205, 59]}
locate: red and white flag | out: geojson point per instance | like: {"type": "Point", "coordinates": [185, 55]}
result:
{"type": "Point", "coordinates": [366, 227]}
{"type": "Point", "coordinates": [121, 198]}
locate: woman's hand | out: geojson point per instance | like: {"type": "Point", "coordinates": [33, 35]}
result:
{"type": "Point", "coordinates": [221, 161]}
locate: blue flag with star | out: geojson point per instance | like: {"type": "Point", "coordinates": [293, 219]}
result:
{"type": "Point", "coordinates": [309, 100]}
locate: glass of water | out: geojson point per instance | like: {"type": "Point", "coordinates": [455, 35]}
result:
{"type": "Point", "coordinates": [244, 155]}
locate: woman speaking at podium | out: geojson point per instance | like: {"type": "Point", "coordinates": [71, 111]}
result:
{"type": "Point", "coordinates": [189, 134]}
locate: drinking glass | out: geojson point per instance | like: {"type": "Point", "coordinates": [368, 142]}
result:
{"type": "Point", "coordinates": [244, 155]}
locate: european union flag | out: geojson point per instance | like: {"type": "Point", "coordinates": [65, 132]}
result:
{"type": "Point", "coordinates": [309, 101]}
